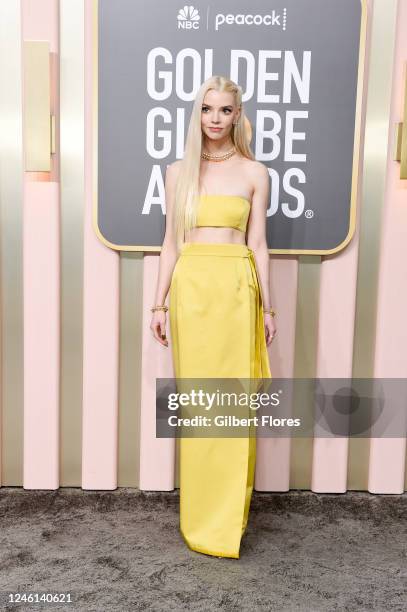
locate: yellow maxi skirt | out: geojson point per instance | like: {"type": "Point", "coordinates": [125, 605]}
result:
{"type": "Point", "coordinates": [217, 331]}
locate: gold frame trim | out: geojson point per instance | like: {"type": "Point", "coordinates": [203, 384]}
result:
{"type": "Point", "coordinates": [356, 147]}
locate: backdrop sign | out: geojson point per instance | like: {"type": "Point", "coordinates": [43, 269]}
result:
{"type": "Point", "coordinates": [299, 63]}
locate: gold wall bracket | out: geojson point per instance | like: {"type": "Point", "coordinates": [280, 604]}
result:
{"type": "Point", "coordinates": [400, 152]}
{"type": "Point", "coordinates": [39, 124]}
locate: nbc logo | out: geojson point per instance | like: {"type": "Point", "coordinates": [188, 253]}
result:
{"type": "Point", "coordinates": [188, 18]}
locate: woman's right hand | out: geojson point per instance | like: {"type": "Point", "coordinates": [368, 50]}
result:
{"type": "Point", "coordinates": [157, 326]}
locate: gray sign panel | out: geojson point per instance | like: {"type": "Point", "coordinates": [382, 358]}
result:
{"type": "Point", "coordinates": [298, 62]}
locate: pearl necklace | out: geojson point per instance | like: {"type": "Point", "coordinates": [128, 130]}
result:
{"type": "Point", "coordinates": [218, 158]}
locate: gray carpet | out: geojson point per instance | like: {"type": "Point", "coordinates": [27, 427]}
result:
{"type": "Point", "coordinates": [122, 550]}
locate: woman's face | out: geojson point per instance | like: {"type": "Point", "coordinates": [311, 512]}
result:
{"type": "Point", "coordinates": [218, 114]}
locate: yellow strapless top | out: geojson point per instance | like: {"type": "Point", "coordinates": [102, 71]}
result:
{"type": "Point", "coordinates": [223, 211]}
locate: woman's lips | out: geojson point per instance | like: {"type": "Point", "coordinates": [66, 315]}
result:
{"type": "Point", "coordinates": [215, 129]}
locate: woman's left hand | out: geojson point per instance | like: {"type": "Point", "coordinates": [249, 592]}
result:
{"type": "Point", "coordinates": [269, 327]}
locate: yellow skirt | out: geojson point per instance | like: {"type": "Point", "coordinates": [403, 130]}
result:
{"type": "Point", "coordinates": [217, 331]}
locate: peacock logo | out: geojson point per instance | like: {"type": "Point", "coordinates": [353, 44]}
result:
{"type": "Point", "coordinates": [188, 18]}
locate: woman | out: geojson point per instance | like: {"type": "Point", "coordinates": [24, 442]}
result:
{"type": "Point", "coordinates": [220, 312]}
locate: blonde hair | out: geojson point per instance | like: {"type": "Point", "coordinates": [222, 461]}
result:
{"type": "Point", "coordinates": [188, 184]}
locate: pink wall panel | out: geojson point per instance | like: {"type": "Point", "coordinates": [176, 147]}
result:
{"type": "Point", "coordinates": [41, 282]}
{"type": "Point", "coordinates": [40, 21]}
{"type": "Point", "coordinates": [387, 456]}
{"type": "Point", "coordinates": [337, 302]}
{"type": "Point", "coordinates": [101, 291]}
{"type": "Point", "coordinates": [273, 454]}
{"type": "Point", "coordinates": [41, 263]}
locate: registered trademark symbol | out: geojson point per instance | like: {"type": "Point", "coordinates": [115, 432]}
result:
{"type": "Point", "coordinates": [309, 213]}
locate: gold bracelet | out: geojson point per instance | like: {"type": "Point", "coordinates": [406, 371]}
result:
{"type": "Point", "coordinates": [160, 307]}
{"type": "Point", "coordinates": [270, 311]}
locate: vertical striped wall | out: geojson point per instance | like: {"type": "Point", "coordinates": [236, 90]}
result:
{"type": "Point", "coordinates": [78, 362]}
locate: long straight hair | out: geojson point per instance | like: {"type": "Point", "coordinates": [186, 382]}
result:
{"type": "Point", "coordinates": [187, 189]}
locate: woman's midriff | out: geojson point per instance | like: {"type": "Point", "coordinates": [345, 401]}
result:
{"type": "Point", "coordinates": [216, 234]}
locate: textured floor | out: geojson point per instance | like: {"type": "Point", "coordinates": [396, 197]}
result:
{"type": "Point", "coordinates": [122, 551]}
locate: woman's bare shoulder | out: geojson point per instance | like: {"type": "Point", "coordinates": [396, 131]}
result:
{"type": "Point", "coordinates": [174, 168]}
{"type": "Point", "coordinates": [253, 165]}
{"type": "Point", "coordinates": [256, 173]}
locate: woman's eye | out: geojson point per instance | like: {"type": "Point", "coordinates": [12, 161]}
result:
{"type": "Point", "coordinates": [204, 108]}
{"type": "Point", "coordinates": [227, 111]}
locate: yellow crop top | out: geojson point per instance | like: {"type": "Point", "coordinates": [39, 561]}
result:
{"type": "Point", "coordinates": [223, 211]}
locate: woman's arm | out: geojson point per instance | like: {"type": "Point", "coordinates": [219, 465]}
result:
{"type": "Point", "coordinates": [168, 256]}
{"type": "Point", "coordinates": [256, 239]}
{"type": "Point", "coordinates": [256, 232]}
